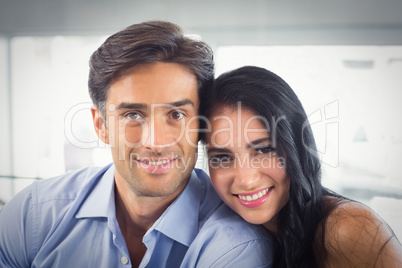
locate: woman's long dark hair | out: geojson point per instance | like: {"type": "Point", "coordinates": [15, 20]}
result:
{"type": "Point", "coordinates": [268, 95]}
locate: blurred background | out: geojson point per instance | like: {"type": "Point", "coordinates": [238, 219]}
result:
{"type": "Point", "coordinates": [343, 59]}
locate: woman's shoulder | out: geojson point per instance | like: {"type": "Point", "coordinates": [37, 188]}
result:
{"type": "Point", "coordinates": [357, 235]}
{"type": "Point", "coordinates": [347, 217]}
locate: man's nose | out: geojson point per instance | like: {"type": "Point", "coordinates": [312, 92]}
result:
{"type": "Point", "coordinates": [159, 135]}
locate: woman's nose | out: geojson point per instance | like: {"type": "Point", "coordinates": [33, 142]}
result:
{"type": "Point", "coordinates": [246, 176]}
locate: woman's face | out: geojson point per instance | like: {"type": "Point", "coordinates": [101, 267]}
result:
{"type": "Point", "coordinates": [244, 166]}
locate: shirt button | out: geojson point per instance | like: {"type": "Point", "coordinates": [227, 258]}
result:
{"type": "Point", "coordinates": [124, 260]}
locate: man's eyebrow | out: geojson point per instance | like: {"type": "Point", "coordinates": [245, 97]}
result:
{"type": "Point", "coordinates": [143, 106]}
{"type": "Point", "coordinates": [258, 141]}
{"type": "Point", "coordinates": [218, 150]}
{"type": "Point", "coordinates": [131, 106]}
{"type": "Point", "coordinates": [182, 103]}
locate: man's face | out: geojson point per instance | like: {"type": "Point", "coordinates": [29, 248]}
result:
{"type": "Point", "coordinates": [152, 128]}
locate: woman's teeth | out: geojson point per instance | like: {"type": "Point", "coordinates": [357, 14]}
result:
{"type": "Point", "coordinates": [254, 196]}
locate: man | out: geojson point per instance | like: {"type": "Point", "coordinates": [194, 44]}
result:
{"type": "Point", "coordinates": [150, 208]}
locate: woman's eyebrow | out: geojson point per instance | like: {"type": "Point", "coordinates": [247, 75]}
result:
{"type": "Point", "coordinates": [217, 150]}
{"type": "Point", "coordinates": [258, 141]}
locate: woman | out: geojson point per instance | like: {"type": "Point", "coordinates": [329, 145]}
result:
{"type": "Point", "coordinates": [262, 164]}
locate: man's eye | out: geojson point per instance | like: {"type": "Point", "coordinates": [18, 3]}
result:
{"type": "Point", "coordinates": [177, 115]}
{"type": "Point", "coordinates": [133, 116]}
{"type": "Point", "coordinates": [265, 150]}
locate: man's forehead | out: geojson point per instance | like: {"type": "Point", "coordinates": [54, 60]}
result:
{"type": "Point", "coordinates": [160, 84]}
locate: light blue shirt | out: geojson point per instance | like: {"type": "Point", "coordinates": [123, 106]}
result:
{"type": "Point", "coordinates": [70, 221]}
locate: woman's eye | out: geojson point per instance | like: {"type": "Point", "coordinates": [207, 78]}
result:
{"type": "Point", "coordinates": [265, 150]}
{"type": "Point", "coordinates": [177, 115]}
{"type": "Point", "coordinates": [133, 116]}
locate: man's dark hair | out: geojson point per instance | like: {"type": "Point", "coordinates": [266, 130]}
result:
{"type": "Point", "coordinates": [143, 43]}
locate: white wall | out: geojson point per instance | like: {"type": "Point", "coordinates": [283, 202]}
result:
{"type": "Point", "coordinates": [235, 22]}
{"type": "Point", "coordinates": [5, 150]}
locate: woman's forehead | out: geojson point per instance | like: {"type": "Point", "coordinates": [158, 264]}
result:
{"type": "Point", "coordinates": [234, 126]}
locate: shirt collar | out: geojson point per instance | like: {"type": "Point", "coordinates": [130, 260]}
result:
{"type": "Point", "coordinates": [180, 220]}
{"type": "Point", "coordinates": [98, 201]}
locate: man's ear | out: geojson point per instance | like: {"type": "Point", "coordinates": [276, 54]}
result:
{"type": "Point", "coordinates": [99, 124]}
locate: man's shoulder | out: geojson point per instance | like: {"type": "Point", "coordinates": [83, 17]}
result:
{"type": "Point", "coordinates": [233, 227]}
{"type": "Point", "coordinates": [65, 186]}
{"type": "Point", "coordinates": [47, 213]}
{"type": "Point", "coordinates": [45, 203]}
{"type": "Point", "coordinates": [228, 240]}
